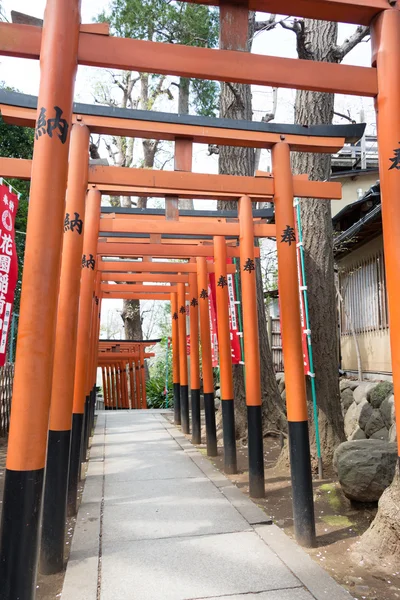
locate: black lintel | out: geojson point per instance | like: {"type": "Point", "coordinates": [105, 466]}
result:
{"type": "Point", "coordinates": [351, 132]}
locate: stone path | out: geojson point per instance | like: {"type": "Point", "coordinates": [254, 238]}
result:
{"type": "Point", "coordinates": [159, 522]}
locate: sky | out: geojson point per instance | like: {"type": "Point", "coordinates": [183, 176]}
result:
{"type": "Point", "coordinates": [24, 74]}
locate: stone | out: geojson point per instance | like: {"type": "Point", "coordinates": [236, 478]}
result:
{"type": "Point", "coordinates": [217, 393]}
{"type": "Point", "coordinates": [357, 415]}
{"type": "Point", "coordinates": [375, 423]}
{"type": "Point", "coordinates": [281, 386]}
{"type": "Point", "coordinates": [365, 468]}
{"type": "Point", "coordinates": [346, 399]}
{"type": "Point", "coordinates": [362, 390]}
{"type": "Point", "coordinates": [365, 412]}
{"type": "Point", "coordinates": [283, 395]}
{"type": "Point", "coordinates": [344, 384]}
{"type": "Point", "coordinates": [382, 434]}
{"type": "Point", "coordinates": [393, 433]}
{"type": "Point", "coordinates": [379, 393]}
{"type": "Point", "coordinates": [358, 434]}
{"type": "Point", "coordinates": [279, 376]}
{"type": "Point", "coordinates": [388, 411]}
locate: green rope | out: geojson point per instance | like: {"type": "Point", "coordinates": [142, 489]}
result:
{"type": "Point", "coordinates": [308, 331]}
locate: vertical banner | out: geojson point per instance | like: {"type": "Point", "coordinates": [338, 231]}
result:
{"type": "Point", "coordinates": [233, 320]}
{"type": "Point", "coordinates": [212, 308]}
{"type": "Point", "coordinates": [8, 264]}
{"type": "Point", "coordinates": [302, 308]}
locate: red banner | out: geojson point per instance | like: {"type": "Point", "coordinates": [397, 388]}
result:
{"type": "Point", "coordinates": [8, 264]}
{"type": "Point", "coordinates": [233, 320]}
{"type": "Point", "coordinates": [302, 311]}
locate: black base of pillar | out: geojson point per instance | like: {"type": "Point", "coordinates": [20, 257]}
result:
{"type": "Point", "coordinates": [83, 447]}
{"type": "Point", "coordinates": [19, 541]}
{"type": "Point", "coordinates": [185, 408]}
{"type": "Point", "coordinates": [256, 452]}
{"type": "Point", "coordinates": [177, 404]}
{"type": "Point", "coordinates": [196, 421]}
{"type": "Point", "coordinates": [55, 503]}
{"type": "Point", "coordinates": [300, 468]}
{"type": "Point", "coordinates": [228, 426]}
{"type": "Point", "coordinates": [211, 429]}
{"type": "Point", "coordinates": [74, 463]}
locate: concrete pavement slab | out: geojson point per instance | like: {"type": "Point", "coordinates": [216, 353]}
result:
{"type": "Point", "coordinates": [288, 594]}
{"type": "Point", "coordinates": [194, 567]}
{"type": "Point", "coordinates": [153, 466]}
{"type": "Point", "coordinates": [167, 508]}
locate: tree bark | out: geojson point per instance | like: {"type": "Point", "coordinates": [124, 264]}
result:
{"type": "Point", "coordinates": [235, 103]}
{"type": "Point", "coordinates": [316, 40]}
{"type": "Point", "coordinates": [380, 544]}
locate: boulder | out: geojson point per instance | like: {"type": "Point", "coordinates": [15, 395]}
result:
{"type": "Point", "coordinates": [346, 399]}
{"type": "Point", "coordinates": [374, 423]}
{"type": "Point", "coordinates": [393, 433]}
{"type": "Point", "coordinates": [217, 393]}
{"type": "Point", "coordinates": [387, 411]}
{"type": "Point", "coordinates": [358, 434]}
{"type": "Point", "coordinates": [377, 395]}
{"type": "Point", "coordinates": [344, 384]}
{"type": "Point", "coordinates": [382, 434]}
{"type": "Point", "coordinates": [365, 468]}
{"type": "Point", "coordinates": [357, 415]}
{"type": "Point", "coordinates": [361, 391]}
{"type": "Point", "coordinates": [279, 376]}
{"type": "Point", "coordinates": [365, 412]}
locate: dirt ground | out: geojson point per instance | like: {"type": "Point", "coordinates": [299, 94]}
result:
{"type": "Point", "coordinates": [339, 523]}
{"type": "Point", "coordinates": [48, 586]}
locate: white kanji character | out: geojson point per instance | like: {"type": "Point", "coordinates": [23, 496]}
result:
{"type": "Point", "coordinates": [6, 244]}
{"type": "Point", "coordinates": [11, 205]}
{"type": "Point", "coordinates": [4, 283]}
{"type": "Point", "coordinates": [5, 199]}
{"type": "Point", "coordinates": [7, 220]}
{"type": "Point", "coordinates": [5, 263]}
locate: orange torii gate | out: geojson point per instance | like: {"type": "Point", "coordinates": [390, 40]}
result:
{"type": "Point", "coordinates": [36, 341]}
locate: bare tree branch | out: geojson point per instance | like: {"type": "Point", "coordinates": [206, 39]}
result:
{"type": "Point", "coordinates": [359, 34]}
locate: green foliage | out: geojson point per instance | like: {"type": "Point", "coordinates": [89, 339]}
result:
{"type": "Point", "coordinates": [155, 386]}
{"type": "Point", "coordinates": [171, 22]}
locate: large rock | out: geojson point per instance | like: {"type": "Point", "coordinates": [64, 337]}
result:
{"type": "Point", "coordinates": [360, 393]}
{"type": "Point", "coordinates": [387, 411]}
{"type": "Point", "coordinates": [375, 423]}
{"type": "Point", "coordinates": [357, 416]}
{"type": "Point", "coordinates": [365, 468]}
{"type": "Point", "coordinates": [382, 434]}
{"type": "Point", "coordinates": [344, 384]}
{"type": "Point", "coordinates": [393, 433]}
{"type": "Point", "coordinates": [358, 434]}
{"type": "Point", "coordinates": [346, 399]}
{"type": "Point", "coordinates": [379, 393]}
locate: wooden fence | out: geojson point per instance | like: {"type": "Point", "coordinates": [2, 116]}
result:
{"type": "Point", "coordinates": [275, 343]}
{"type": "Point", "coordinates": [6, 384]}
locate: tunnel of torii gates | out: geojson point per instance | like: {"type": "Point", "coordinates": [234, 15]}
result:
{"type": "Point", "coordinates": [58, 346]}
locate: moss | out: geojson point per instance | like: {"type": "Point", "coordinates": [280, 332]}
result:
{"type": "Point", "coordinates": [332, 495]}
{"type": "Point", "coordinates": [337, 521]}
{"type": "Point", "coordinates": [379, 393]}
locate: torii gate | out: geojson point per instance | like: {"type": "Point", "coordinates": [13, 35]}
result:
{"type": "Point", "coordinates": [32, 386]}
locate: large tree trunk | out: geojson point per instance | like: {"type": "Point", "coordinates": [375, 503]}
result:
{"type": "Point", "coordinates": [236, 104]}
{"type": "Point", "coordinates": [317, 42]}
{"type": "Point", "coordinates": [380, 544]}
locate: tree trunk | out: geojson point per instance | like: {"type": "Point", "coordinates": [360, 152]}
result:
{"type": "Point", "coordinates": [183, 109]}
{"type": "Point", "coordinates": [380, 544]}
{"type": "Point", "coordinates": [235, 103]}
{"type": "Point", "coordinates": [317, 42]}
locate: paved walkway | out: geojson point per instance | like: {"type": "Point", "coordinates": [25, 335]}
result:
{"type": "Point", "coordinates": [158, 522]}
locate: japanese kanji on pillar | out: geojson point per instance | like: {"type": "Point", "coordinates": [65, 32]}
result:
{"type": "Point", "coordinates": [8, 264]}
